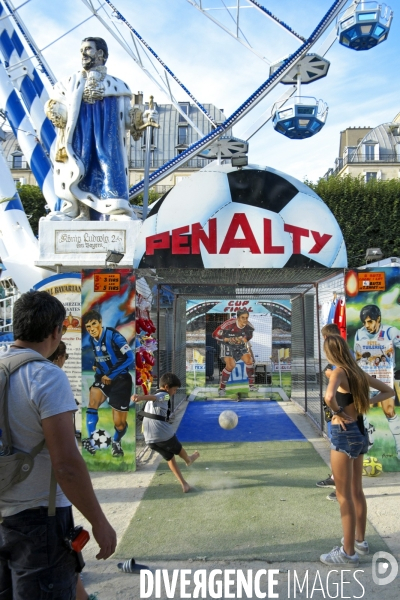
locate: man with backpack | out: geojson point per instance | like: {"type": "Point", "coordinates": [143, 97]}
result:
{"type": "Point", "coordinates": [36, 413]}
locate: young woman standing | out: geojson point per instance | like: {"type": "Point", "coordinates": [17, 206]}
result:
{"type": "Point", "coordinates": [348, 397]}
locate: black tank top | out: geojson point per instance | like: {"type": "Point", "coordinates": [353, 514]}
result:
{"type": "Point", "coordinates": [345, 399]}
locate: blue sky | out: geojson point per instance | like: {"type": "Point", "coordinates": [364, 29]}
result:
{"type": "Point", "coordinates": [361, 89]}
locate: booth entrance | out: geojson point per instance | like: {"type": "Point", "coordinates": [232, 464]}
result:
{"type": "Point", "coordinates": [305, 288]}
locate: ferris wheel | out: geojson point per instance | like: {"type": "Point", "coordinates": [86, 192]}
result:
{"type": "Point", "coordinates": [357, 25]}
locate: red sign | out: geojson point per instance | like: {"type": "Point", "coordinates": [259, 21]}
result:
{"type": "Point", "coordinates": [107, 282]}
{"type": "Point", "coordinates": [186, 240]}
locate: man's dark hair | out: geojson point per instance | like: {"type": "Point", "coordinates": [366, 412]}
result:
{"type": "Point", "coordinates": [91, 315]}
{"type": "Point", "coordinates": [35, 316]}
{"type": "Point", "coordinates": [100, 45]}
{"type": "Point", "coordinates": [242, 311]}
{"type": "Point", "coordinates": [370, 310]}
{"type": "Point", "coordinates": [170, 379]}
{"type": "Point", "coordinates": [330, 329]}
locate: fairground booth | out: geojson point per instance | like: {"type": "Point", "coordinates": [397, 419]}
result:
{"type": "Point", "coordinates": [235, 272]}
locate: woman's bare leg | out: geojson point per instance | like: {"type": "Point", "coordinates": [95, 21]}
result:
{"type": "Point", "coordinates": [342, 468]}
{"type": "Point", "coordinates": [360, 503]}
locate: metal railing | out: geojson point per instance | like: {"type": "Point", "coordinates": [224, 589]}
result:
{"type": "Point", "coordinates": [18, 165]}
{"type": "Point", "coordinates": [356, 158]}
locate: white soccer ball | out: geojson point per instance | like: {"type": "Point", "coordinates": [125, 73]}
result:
{"type": "Point", "coordinates": [228, 419]}
{"type": "Point", "coordinates": [100, 439]}
{"type": "Point", "coordinates": [255, 217]}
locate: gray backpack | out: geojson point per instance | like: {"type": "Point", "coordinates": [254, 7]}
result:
{"type": "Point", "coordinates": [15, 465]}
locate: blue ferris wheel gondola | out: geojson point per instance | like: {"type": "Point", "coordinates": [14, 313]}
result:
{"type": "Point", "coordinates": [301, 117]}
{"type": "Point", "coordinates": [364, 25]}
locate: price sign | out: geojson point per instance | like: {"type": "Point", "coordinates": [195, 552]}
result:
{"type": "Point", "coordinates": [107, 282]}
{"type": "Point", "coordinates": [371, 282]}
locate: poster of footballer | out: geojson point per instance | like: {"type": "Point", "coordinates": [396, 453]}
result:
{"type": "Point", "coordinates": [373, 333]}
{"type": "Point", "coordinates": [238, 334]}
{"type": "Point", "coordinates": [108, 342]}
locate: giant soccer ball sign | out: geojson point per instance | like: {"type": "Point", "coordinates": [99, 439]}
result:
{"type": "Point", "coordinates": [256, 217]}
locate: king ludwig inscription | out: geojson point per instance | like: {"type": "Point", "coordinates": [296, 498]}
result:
{"type": "Point", "coordinates": [82, 241]}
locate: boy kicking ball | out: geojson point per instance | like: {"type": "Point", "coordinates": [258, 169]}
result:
{"type": "Point", "coordinates": [158, 433]}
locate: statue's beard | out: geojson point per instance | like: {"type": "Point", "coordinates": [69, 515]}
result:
{"type": "Point", "coordinates": [89, 63]}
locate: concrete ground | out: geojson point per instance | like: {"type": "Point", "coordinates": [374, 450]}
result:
{"type": "Point", "coordinates": [120, 495]}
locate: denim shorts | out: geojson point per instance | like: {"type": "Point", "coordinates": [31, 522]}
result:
{"type": "Point", "coordinates": [349, 441]}
{"type": "Point", "coordinates": [35, 562]}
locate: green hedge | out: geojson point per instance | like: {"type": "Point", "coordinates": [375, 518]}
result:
{"type": "Point", "coordinates": [367, 213]}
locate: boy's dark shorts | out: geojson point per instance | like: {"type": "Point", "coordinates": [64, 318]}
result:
{"type": "Point", "coordinates": [118, 392]}
{"type": "Point", "coordinates": [168, 448]}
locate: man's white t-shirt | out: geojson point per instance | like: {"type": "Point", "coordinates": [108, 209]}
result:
{"type": "Point", "coordinates": [38, 390]}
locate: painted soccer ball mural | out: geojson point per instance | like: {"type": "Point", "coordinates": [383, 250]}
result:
{"type": "Point", "coordinates": [100, 439]}
{"type": "Point", "coordinates": [255, 217]}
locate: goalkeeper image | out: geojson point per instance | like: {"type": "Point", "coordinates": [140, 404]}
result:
{"type": "Point", "coordinates": [234, 336]}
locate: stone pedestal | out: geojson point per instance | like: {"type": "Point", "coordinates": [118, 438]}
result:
{"type": "Point", "coordinates": [76, 245]}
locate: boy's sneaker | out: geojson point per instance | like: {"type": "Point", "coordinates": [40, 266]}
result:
{"type": "Point", "coordinates": [328, 482]}
{"type": "Point", "coordinates": [221, 393]}
{"type": "Point", "coordinates": [338, 556]}
{"type": "Point", "coordinates": [360, 547]}
{"type": "Point", "coordinates": [87, 445]}
{"type": "Point", "coordinates": [117, 449]}
{"type": "Point", "coordinates": [332, 496]}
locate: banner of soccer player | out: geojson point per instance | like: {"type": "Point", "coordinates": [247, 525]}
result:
{"type": "Point", "coordinates": [373, 332]}
{"type": "Point", "coordinates": [108, 342]}
{"type": "Point", "coordinates": [238, 333]}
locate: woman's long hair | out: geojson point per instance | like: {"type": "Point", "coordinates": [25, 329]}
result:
{"type": "Point", "coordinates": [338, 353]}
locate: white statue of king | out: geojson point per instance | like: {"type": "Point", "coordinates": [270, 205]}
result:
{"type": "Point", "coordinates": [92, 112]}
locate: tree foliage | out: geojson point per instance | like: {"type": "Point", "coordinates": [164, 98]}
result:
{"type": "Point", "coordinates": [367, 213]}
{"type": "Point", "coordinates": [153, 196]}
{"type": "Point", "coordinates": [33, 202]}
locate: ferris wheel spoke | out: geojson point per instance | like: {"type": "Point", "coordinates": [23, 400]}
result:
{"type": "Point", "coordinates": [272, 81]}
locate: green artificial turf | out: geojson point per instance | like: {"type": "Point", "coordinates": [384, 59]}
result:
{"type": "Point", "coordinates": [251, 501]}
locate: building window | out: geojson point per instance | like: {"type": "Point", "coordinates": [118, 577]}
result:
{"type": "Point", "coordinates": [182, 135]}
{"type": "Point", "coordinates": [349, 153]}
{"type": "Point", "coordinates": [370, 152]}
{"type": "Point", "coordinates": [17, 159]}
{"type": "Point", "coordinates": [369, 175]}
{"type": "Point", "coordinates": [184, 106]}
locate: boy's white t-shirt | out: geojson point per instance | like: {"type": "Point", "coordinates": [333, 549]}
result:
{"type": "Point", "coordinates": [157, 431]}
